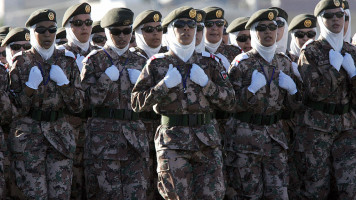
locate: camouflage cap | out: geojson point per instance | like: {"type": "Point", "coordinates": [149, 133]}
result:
{"type": "Point", "coordinates": [117, 17]}
{"type": "Point", "coordinates": [262, 15]}
{"type": "Point", "coordinates": [146, 17]}
{"type": "Point", "coordinates": [327, 4]}
{"type": "Point", "coordinates": [61, 33]}
{"type": "Point", "coordinates": [302, 21]}
{"type": "Point", "coordinates": [97, 28]}
{"type": "Point", "coordinates": [281, 13]}
{"type": "Point", "coordinates": [15, 35]}
{"type": "Point", "coordinates": [213, 13]}
{"type": "Point", "coordinates": [182, 12]}
{"type": "Point", "coordinates": [82, 8]}
{"type": "Point", "coordinates": [40, 16]}
{"type": "Point", "coordinates": [237, 24]}
{"type": "Point", "coordinates": [201, 14]}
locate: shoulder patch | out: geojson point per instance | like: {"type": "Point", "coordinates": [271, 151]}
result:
{"type": "Point", "coordinates": [60, 47]}
{"type": "Point", "coordinates": [210, 55]}
{"type": "Point", "coordinates": [90, 54]}
{"type": "Point", "coordinates": [16, 55]}
{"type": "Point", "coordinates": [239, 58]}
{"type": "Point", "coordinates": [69, 54]}
{"type": "Point", "coordinates": [224, 75]}
{"type": "Point", "coordinates": [285, 55]}
{"type": "Point", "coordinates": [306, 44]}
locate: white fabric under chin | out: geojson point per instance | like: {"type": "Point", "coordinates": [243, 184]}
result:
{"type": "Point", "coordinates": [141, 43]}
{"type": "Point", "coordinates": [72, 39]}
{"type": "Point", "coordinates": [8, 53]}
{"type": "Point", "coordinates": [45, 53]}
{"type": "Point", "coordinates": [336, 40]}
{"type": "Point", "coordinates": [111, 44]}
{"type": "Point", "coordinates": [267, 53]}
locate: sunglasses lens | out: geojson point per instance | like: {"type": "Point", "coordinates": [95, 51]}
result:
{"type": "Point", "coordinates": [191, 24]}
{"type": "Point", "coordinates": [242, 38]}
{"type": "Point", "coordinates": [339, 14]}
{"type": "Point", "coordinates": [99, 39]}
{"type": "Point", "coordinates": [280, 23]}
{"type": "Point", "coordinates": [27, 46]}
{"type": "Point", "coordinates": [52, 29]}
{"type": "Point", "coordinates": [272, 27]}
{"type": "Point", "coordinates": [200, 28]}
{"type": "Point", "coordinates": [299, 34]}
{"type": "Point", "coordinates": [148, 29]}
{"type": "Point", "coordinates": [127, 31]}
{"type": "Point", "coordinates": [219, 23]}
{"type": "Point", "coordinates": [179, 24]}
{"type": "Point", "coordinates": [41, 30]}
{"type": "Point", "coordinates": [15, 47]}
{"type": "Point", "coordinates": [88, 22]}
{"type": "Point", "coordinates": [77, 23]}
{"type": "Point", "coordinates": [261, 28]}
{"type": "Point", "coordinates": [311, 34]}
{"type": "Point", "coordinates": [209, 24]}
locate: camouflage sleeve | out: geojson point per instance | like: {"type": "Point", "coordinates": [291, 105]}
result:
{"type": "Point", "coordinates": [146, 91]}
{"type": "Point", "coordinates": [319, 81]}
{"type": "Point", "coordinates": [219, 90]}
{"type": "Point", "coordinates": [96, 87]}
{"type": "Point", "coordinates": [5, 108]}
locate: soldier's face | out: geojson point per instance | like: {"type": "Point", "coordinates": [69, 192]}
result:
{"type": "Point", "coordinates": [267, 38]}
{"type": "Point", "coordinates": [242, 36]}
{"type": "Point", "coordinates": [14, 51]}
{"type": "Point", "coordinates": [198, 37]}
{"type": "Point", "coordinates": [334, 24]}
{"type": "Point", "coordinates": [214, 34]}
{"type": "Point", "coordinates": [184, 35]}
{"type": "Point", "coordinates": [82, 33]}
{"type": "Point", "coordinates": [2, 57]}
{"type": "Point", "coordinates": [302, 41]}
{"type": "Point", "coordinates": [99, 39]}
{"type": "Point", "coordinates": [121, 40]}
{"type": "Point", "coordinates": [280, 31]}
{"type": "Point", "coordinates": [46, 39]}
{"type": "Point", "coordinates": [153, 39]}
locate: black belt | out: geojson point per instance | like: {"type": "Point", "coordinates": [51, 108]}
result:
{"type": "Point", "coordinates": [186, 120]}
{"type": "Point", "coordinates": [257, 118]}
{"type": "Point", "coordinates": [329, 108]}
{"type": "Point", "coordinates": [122, 114]}
{"type": "Point", "coordinates": [222, 114]}
{"type": "Point", "coordinates": [48, 116]}
{"type": "Point", "coordinates": [149, 115]}
{"type": "Point", "coordinates": [84, 115]}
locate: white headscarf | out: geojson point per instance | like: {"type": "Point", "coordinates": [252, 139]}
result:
{"type": "Point", "coordinates": [45, 53]}
{"type": "Point", "coordinates": [336, 40]}
{"type": "Point", "coordinates": [141, 43]}
{"type": "Point", "coordinates": [111, 44]}
{"type": "Point", "coordinates": [266, 52]}
{"type": "Point", "coordinates": [283, 43]}
{"type": "Point", "coordinates": [232, 38]}
{"type": "Point", "coordinates": [347, 36]}
{"type": "Point", "coordinates": [165, 40]}
{"type": "Point", "coordinates": [212, 47]}
{"type": "Point", "coordinates": [72, 39]}
{"type": "Point", "coordinates": [201, 46]}
{"type": "Point", "coordinates": [9, 56]}
{"type": "Point", "coordinates": [294, 48]}
{"type": "Point", "coordinates": [184, 52]}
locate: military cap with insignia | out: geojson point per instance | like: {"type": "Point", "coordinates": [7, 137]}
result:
{"type": "Point", "coordinates": [117, 17]}
{"type": "Point", "coordinates": [15, 35]}
{"type": "Point", "coordinates": [61, 33]}
{"type": "Point", "coordinates": [281, 13]}
{"type": "Point", "coordinates": [201, 14]}
{"type": "Point", "coordinates": [146, 17]}
{"type": "Point", "coordinates": [213, 13]}
{"type": "Point", "coordinates": [182, 12]}
{"type": "Point", "coordinates": [40, 16]}
{"type": "Point", "coordinates": [237, 24]}
{"type": "Point", "coordinates": [302, 21]}
{"type": "Point", "coordinates": [325, 5]}
{"type": "Point", "coordinates": [4, 30]}
{"type": "Point", "coordinates": [262, 15]}
{"type": "Point", "coordinates": [96, 27]}
{"type": "Point", "coordinates": [82, 8]}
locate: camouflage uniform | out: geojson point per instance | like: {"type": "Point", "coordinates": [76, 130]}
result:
{"type": "Point", "coordinates": [189, 158]}
{"type": "Point", "coordinates": [116, 149]}
{"type": "Point", "coordinates": [78, 122]}
{"type": "Point", "coordinates": [41, 141]}
{"type": "Point", "coordinates": [326, 142]}
{"type": "Point", "coordinates": [256, 162]}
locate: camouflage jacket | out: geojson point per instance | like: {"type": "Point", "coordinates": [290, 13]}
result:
{"type": "Point", "coordinates": [229, 51]}
{"type": "Point", "coordinates": [77, 50]}
{"type": "Point", "coordinates": [323, 83]}
{"type": "Point", "coordinates": [142, 53]}
{"type": "Point", "coordinates": [293, 57]}
{"type": "Point", "coordinates": [6, 106]}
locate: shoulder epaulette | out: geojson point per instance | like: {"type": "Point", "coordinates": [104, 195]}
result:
{"type": "Point", "coordinates": [69, 54]}
{"type": "Point", "coordinates": [90, 54]}
{"type": "Point", "coordinates": [285, 55]}
{"type": "Point", "coordinates": [239, 58]}
{"type": "Point", "coordinates": [16, 55]}
{"type": "Point", "coordinates": [210, 55]}
{"type": "Point", "coordinates": [306, 44]}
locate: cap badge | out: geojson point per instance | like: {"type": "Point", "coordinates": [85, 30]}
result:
{"type": "Point", "coordinates": [27, 36]}
{"type": "Point", "coordinates": [199, 17]}
{"type": "Point", "coordinates": [51, 16]}
{"type": "Point", "coordinates": [192, 13]}
{"type": "Point", "coordinates": [155, 18]}
{"type": "Point", "coordinates": [337, 3]}
{"type": "Point", "coordinates": [126, 22]}
{"type": "Point", "coordinates": [219, 14]}
{"type": "Point", "coordinates": [270, 15]}
{"type": "Point", "coordinates": [87, 9]}
{"type": "Point", "coordinates": [307, 23]}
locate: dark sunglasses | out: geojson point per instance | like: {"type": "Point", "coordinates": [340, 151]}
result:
{"type": "Point", "coordinates": [125, 31]}
{"type": "Point", "coordinates": [182, 23]}
{"type": "Point", "coordinates": [200, 28]}
{"type": "Point", "coordinates": [99, 39]}
{"type": "Point", "coordinates": [16, 47]}
{"type": "Point", "coordinates": [331, 15]}
{"type": "Point", "coordinates": [79, 22]}
{"type": "Point", "coordinates": [280, 23]}
{"type": "Point", "coordinates": [243, 38]}
{"type": "Point", "coordinates": [42, 30]}
{"type": "Point", "coordinates": [61, 42]}
{"type": "Point", "coordinates": [301, 34]}
{"type": "Point", "coordinates": [263, 27]}
{"type": "Point", "coordinates": [211, 23]}
{"type": "Point", "coordinates": [3, 53]}
{"type": "Point", "coordinates": [347, 18]}
{"type": "Point", "coordinates": [150, 29]}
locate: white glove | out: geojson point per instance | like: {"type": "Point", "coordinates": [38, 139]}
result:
{"type": "Point", "coordinates": [296, 71]}
{"type": "Point", "coordinates": [287, 83]}
{"type": "Point", "coordinates": [79, 62]}
{"type": "Point", "coordinates": [173, 77]}
{"type": "Point", "coordinates": [198, 76]}
{"type": "Point", "coordinates": [335, 59]}
{"type": "Point", "coordinates": [349, 65]}
{"type": "Point", "coordinates": [133, 75]}
{"type": "Point", "coordinates": [258, 80]}
{"type": "Point", "coordinates": [224, 61]}
{"type": "Point", "coordinates": [113, 73]}
{"type": "Point", "coordinates": [35, 78]}
{"type": "Point", "coordinates": [57, 75]}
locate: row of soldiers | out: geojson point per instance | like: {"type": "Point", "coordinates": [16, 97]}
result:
{"type": "Point", "coordinates": [181, 114]}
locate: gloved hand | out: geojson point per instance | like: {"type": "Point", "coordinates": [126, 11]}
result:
{"type": "Point", "coordinates": [35, 78]}
{"type": "Point", "coordinates": [198, 76]}
{"type": "Point", "coordinates": [287, 83]}
{"type": "Point", "coordinates": [113, 73]}
{"type": "Point", "coordinates": [57, 75]}
{"type": "Point", "coordinates": [258, 80]}
{"type": "Point", "coordinates": [349, 65]}
{"type": "Point", "coordinates": [224, 61]}
{"type": "Point", "coordinates": [133, 75]}
{"type": "Point", "coordinates": [173, 77]}
{"type": "Point", "coordinates": [79, 62]}
{"type": "Point", "coordinates": [335, 59]}
{"type": "Point", "coordinates": [296, 71]}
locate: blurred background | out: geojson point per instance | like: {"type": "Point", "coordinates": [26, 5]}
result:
{"type": "Point", "coordinates": [14, 13]}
